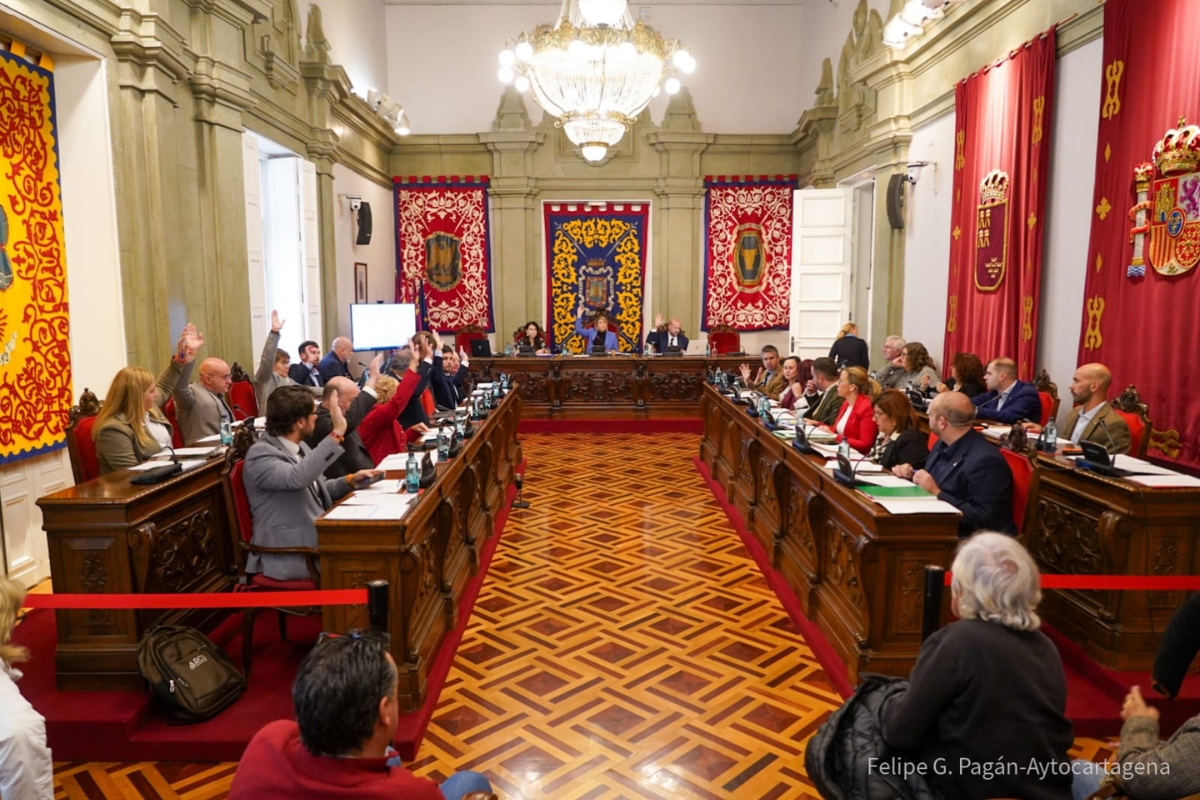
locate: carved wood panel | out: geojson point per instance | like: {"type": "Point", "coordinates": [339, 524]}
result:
{"type": "Point", "coordinates": [599, 387]}
{"type": "Point", "coordinates": [675, 385]}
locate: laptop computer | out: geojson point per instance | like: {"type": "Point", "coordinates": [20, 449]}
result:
{"type": "Point", "coordinates": [481, 348]}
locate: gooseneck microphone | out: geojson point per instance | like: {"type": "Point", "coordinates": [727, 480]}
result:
{"type": "Point", "coordinates": [1104, 427]}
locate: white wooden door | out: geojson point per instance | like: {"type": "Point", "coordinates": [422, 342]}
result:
{"type": "Point", "coordinates": [256, 266]}
{"type": "Point", "coordinates": [26, 553]}
{"type": "Point", "coordinates": [821, 264]}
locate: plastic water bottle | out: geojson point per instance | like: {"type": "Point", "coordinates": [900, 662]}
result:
{"type": "Point", "coordinates": [707, 350]}
{"type": "Point", "coordinates": [412, 473]}
{"type": "Point", "coordinates": [1050, 437]}
{"type": "Point", "coordinates": [719, 377]}
{"type": "Point", "coordinates": [460, 426]}
{"type": "Point", "coordinates": [443, 444]}
{"type": "Point", "coordinates": [226, 433]}
{"type": "Point", "coordinates": [844, 448]}
{"type": "Point", "coordinates": [764, 408]}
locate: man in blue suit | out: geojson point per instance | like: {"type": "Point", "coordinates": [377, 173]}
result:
{"type": "Point", "coordinates": [664, 337]}
{"type": "Point", "coordinates": [1008, 399]}
{"type": "Point", "coordinates": [336, 363]}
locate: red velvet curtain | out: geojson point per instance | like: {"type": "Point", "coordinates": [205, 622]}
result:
{"type": "Point", "coordinates": [1001, 160]}
{"type": "Point", "coordinates": [1139, 322]}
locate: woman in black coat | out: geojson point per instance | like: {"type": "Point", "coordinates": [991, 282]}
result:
{"type": "Point", "coordinates": [899, 441]}
{"type": "Point", "coordinates": [849, 350]}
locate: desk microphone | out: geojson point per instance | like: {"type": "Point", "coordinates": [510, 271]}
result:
{"type": "Point", "coordinates": [840, 474]}
{"type": "Point", "coordinates": [1104, 427]}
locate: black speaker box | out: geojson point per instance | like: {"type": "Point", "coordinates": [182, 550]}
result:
{"type": "Point", "coordinates": [364, 224]}
{"type": "Point", "coordinates": [895, 201]}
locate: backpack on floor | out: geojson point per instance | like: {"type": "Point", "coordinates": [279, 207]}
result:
{"type": "Point", "coordinates": [189, 674]}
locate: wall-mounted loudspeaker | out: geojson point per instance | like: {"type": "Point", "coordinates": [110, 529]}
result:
{"type": "Point", "coordinates": [897, 186]}
{"type": "Point", "coordinates": [364, 224]}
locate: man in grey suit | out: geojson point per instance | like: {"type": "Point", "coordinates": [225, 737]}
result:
{"type": "Point", "coordinates": [284, 484]}
{"type": "Point", "coordinates": [200, 407]}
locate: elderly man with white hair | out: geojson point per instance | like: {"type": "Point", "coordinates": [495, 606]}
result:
{"type": "Point", "coordinates": [892, 373]}
{"type": "Point", "coordinates": [984, 711]}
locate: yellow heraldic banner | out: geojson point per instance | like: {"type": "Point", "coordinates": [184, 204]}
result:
{"type": "Point", "coordinates": [35, 358]}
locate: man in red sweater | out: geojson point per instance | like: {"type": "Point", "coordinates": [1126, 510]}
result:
{"type": "Point", "coordinates": [347, 707]}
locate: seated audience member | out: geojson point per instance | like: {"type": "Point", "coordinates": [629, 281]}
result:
{"type": "Point", "coordinates": [534, 338]}
{"type": "Point", "coordinates": [769, 380]}
{"type": "Point", "coordinates": [380, 431]}
{"type": "Point", "coordinates": [446, 375]}
{"type": "Point", "coordinates": [421, 404]}
{"type": "Point", "coordinates": [1093, 419]}
{"type": "Point", "coordinates": [346, 698]}
{"type": "Point", "coordinates": [989, 688]}
{"type": "Point", "coordinates": [856, 421]}
{"type": "Point", "coordinates": [355, 405]}
{"type": "Point", "coordinates": [919, 370]}
{"type": "Point", "coordinates": [892, 374]}
{"type": "Point", "coordinates": [848, 350]}
{"type": "Point", "coordinates": [273, 369]}
{"type": "Point", "coordinates": [284, 482]}
{"type": "Point", "coordinates": [821, 392]}
{"type": "Point", "coordinates": [794, 393]}
{"type": "Point", "coordinates": [966, 376]}
{"type": "Point", "coordinates": [666, 335]}
{"type": "Point", "coordinates": [200, 407]}
{"type": "Point", "coordinates": [900, 440]}
{"type": "Point", "coordinates": [964, 468]}
{"type": "Point", "coordinates": [1149, 768]}
{"type": "Point", "coordinates": [306, 372]}
{"type": "Point", "coordinates": [26, 765]}
{"type": "Point", "coordinates": [1008, 399]}
{"type": "Point", "coordinates": [336, 362]}
{"type": "Point", "coordinates": [131, 426]}
{"type": "Point", "coordinates": [599, 329]}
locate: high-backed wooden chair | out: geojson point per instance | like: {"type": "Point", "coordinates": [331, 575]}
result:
{"type": "Point", "coordinates": [1137, 416]}
{"type": "Point", "coordinates": [176, 432]}
{"type": "Point", "coordinates": [242, 401]}
{"type": "Point", "coordinates": [1048, 394]}
{"type": "Point", "coordinates": [465, 334]}
{"type": "Point", "coordinates": [238, 504]}
{"type": "Point", "coordinates": [82, 448]}
{"type": "Point", "coordinates": [723, 339]}
{"type": "Point", "coordinates": [1025, 488]}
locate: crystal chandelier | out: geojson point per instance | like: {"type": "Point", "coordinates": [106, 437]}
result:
{"type": "Point", "coordinates": [596, 70]}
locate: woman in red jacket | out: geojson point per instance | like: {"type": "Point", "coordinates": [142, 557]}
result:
{"type": "Point", "coordinates": [379, 430]}
{"type": "Point", "coordinates": [856, 422]}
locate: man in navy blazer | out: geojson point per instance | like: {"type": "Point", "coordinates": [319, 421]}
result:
{"type": "Point", "coordinates": [1008, 399]}
{"type": "Point", "coordinates": [964, 469]}
{"type": "Point", "coordinates": [305, 371]}
{"type": "Point", "coordinates": [663, 337]}
{"type": "Point", "coordinates": [336, 362]}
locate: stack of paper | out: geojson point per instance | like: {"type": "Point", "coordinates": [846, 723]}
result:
{"type": "Point", "coordinates": [145, 465]}
{"type": "Point", "coordinates": [859, 465]}
{"type": "Point", "coordinates": [398, 462]}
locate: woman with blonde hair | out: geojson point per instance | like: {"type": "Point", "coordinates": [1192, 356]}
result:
{"type": "Point", "coordinates": [131, 426]}
{"type": "Point", "coordinates": [27, 766]}
{"type": "Point", "coordinates": [848, 350]}
{"type": "Point", "coordinates": [988, 689]}
{"type": "Point", "coordinates": [380, 431]}
{"type": "Point", "coordinates": [856, 421]}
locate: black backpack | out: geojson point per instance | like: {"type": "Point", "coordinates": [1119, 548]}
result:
{"type": "Point", "coordinates": [190, 675]}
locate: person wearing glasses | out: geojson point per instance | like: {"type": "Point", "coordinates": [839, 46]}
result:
{"type": "Point", "coordinates": [347, 704]}
{"type": "Point", "coordinates": [27, 767]}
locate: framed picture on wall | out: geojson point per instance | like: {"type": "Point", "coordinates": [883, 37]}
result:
{"type": "Point", "coordinates": [360, 282]}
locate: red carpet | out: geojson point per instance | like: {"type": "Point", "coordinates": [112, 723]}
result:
{"type": "Point", "coordinates": [1094, 693]}
{"type": "Point", "coordinates": [127, 726]}
{"type": "Point", "coordinates": [664, 425]}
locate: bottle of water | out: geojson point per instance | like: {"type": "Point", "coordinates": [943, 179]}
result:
{"type": "Point", "coordinates": [460, 426]}
{"type": "Point", "coordinates": [707, 350]}
{"type": "Point", "coordinates": [844, 448]}
{"type": "Point", "coordinates": [412, 473]}
{"type": "Point", "coordinates": [443, 444]}
{"type": "Point", "coordinates": [226, 433]}
{"type": "Point", "coordinates": [1050, 437]}
{"type": "Point", "coordinates": [764, 408]}
{"type": "Point", "coordinates": [719, 378]}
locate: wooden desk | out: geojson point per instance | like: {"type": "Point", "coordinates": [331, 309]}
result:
{"type": "Point", "coordinates": [600, 387]}
{"type": "Point", "coordinates": [429, 555]}
{"type": "Point", "coordinates": [856, 569]}
{"type": "Point", "coordinates": [108, 536]}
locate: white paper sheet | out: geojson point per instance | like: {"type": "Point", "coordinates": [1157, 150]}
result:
{"type": "Point", "coordinates": [919, 506]}
{"type": "Point", "coordinates": [353, 512]}
{"type": "Point", "coordinates": [385, 486]}
{"type": "Point", "coordinates": [1140, 467]}
{"type": "Point", "coordinates": [860, 465]}
{"type": "Point", "coordinates": [1167, 481]}
{"type": "Point", "coordinates": [885, 480]}
{"type": "Point", "coordinates": [155, 464]}
{"type": "Point", "coordinates": [398, 462]}
{"type": "Point", "coordinates": [394, 505]}
{"type": "Point", "coordinates": [187, 451]}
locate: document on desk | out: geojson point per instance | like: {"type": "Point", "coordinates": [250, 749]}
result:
{"type": "Point", "coordinates": [915, 506]}
{"type": "Point", "coordinates": [376, 504]}
{"type": "Point", "coordinates": [398, 462]}
{"type": "Point", "coordinates": [1140, 467]}
{"type": "Point", "coordinates": [890, 481]}
{"type": "Point", "coordinates": [860, 465]}
{"type": "Point", "coordinates": [154, 464]}
{"type": "Point", "coordinates": [188, 451]}
{"type": "Point", "coordinates": [384, 487]}
{"type": "Point", "coordinates": [1172, 480]}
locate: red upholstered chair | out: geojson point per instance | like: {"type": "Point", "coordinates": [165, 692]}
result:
{"type": "Point", "coordinates": [243, 526]}
{"type": "Point", "coordinates": [1048, 395]}
{"type": "Point", "coordinates": [1025, 487]}
{"type": "Point", "coordinates": [724, 339]}
{"type": "Point", "coordinates": [428, 403]}
{"type": "Point", "coordinates": [80, 445]}
{"type": "Point", "coordinates": [169, 413]}
{"type": "Point", "coordinates": [1137, 416]}
{"type": "Point", "coordinates": [242, 401]}
{"type": "Point", "coordinates": [933, 439]}
{"type": "Point", "coordinates": [465, 334]}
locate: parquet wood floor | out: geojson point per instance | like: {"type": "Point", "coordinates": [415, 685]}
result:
{"type": "Point", "coordinates": [623, 646]}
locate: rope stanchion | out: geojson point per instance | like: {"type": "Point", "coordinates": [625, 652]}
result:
{"type": "Point", "coordinates": [1153, 583]}
{"type": "Point", "coordinates": [932, 609]}
{"type": "Point", "coordinates": [319, 597]}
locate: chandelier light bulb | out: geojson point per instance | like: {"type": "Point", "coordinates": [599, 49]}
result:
{"type": "Point", "coordinates": [627, 51]}
{"type": "Point", "coordinates": [672, 85]}
{"type": "Point", "coordinates": [602, 12]}
{"type": "Point", "coordinates": [524, 51]}
{"type": "Point", "coordinates": [505, 74]}
{"type": "Point", "coordinates": [593, 152]}
{"type": "Point", "coordinates": [689, 64]}
{"type": "Point", "coordinates": [657, 91]}
{"type": "Point", "coordinates": [522, 84]}
{"type": "Point", "coordinates": [576, 49]}
{"type": "Point", "coordinates": [507, 58]}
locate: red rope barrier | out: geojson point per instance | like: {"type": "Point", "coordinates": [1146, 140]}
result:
{"type": "Point", "coordinates": [1159, 583]}
{"type": "Point", "coordinates": [251, 599]}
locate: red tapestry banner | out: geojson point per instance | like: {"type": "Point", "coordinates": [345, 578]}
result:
{"type": "Point", "coordinates": [747, 251]}
{"type": "Point", "coordinates": [1001, 165]}
{"type": "Point", "coordinates": [443, 257]}
{"type": "Point", "coordinates": [1142, 290]}
{"type": "Point", "coordinates": [35, 357]}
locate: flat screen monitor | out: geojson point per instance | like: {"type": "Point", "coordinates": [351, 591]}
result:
{"type": "Point", "coordinates": [382, 326]}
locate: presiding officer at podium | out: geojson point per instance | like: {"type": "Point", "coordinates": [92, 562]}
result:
{"type": "Point", "coordinates": [599, 328]}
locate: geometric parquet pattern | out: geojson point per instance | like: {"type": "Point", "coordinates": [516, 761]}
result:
{"type": "Point", "coordinates": [624, 645]}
